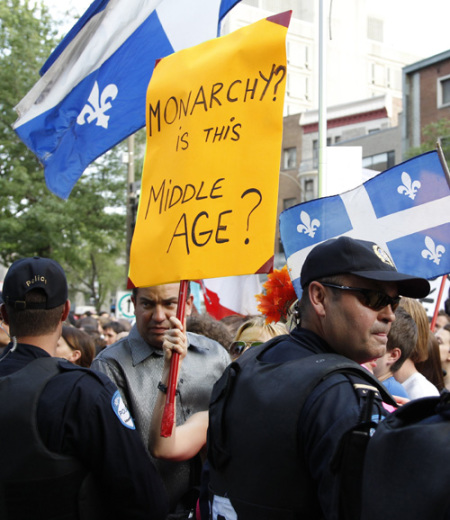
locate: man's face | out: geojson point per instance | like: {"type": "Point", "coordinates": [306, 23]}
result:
{"type": "Point", "coordinates": [153, 308]}
{"type": "Point", "coordinates": [353, 329]}
{"type": "Point", "coordinates": [110, 336]}
{"type": "Point", "coordinates": [443, 337]}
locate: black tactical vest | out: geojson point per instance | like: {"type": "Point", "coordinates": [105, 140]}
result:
{"type": "Point", "coordinates": [35, 483]}
{"type": "Point", "coordinates": [258, 465]}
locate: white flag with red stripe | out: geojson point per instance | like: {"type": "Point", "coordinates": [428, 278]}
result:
{"type": "Point", "coordinates": [231, 295]}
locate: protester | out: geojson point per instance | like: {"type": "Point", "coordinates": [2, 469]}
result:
{"type": "Point", "coordinates": [273, 441]}
{"type": "Point", "coordinates": [401, 340]}
{"type": "Point", "coordinates": [189, 438]}
{"type": "Point", "coordinates": [253, 332]}
{"type": "Point", "coordinates": [442, 319]}
{"type": "Point", "coordinates": [76, 346]}
{"type": "Point", "coordinates": [135, 364]}
{"type": "Point", "coordinates": [111, 330]}
{"type": "Point", "coordinates": [443, 339]}
{"type": "Point", "coordinates": [68, 446]}
{"type": "Point", "coordinates": [92, 326]}
{"type": "Point", "coordinates": [415, 383]}
{"type": "Point", "coordinates": [432, 368]}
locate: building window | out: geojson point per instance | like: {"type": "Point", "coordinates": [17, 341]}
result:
{"type": "Point", "coordinates": [290, 158]}
{"type": "Point", "coordinates": [444, 92]}
{"type": "Point", "coordinates": [375, 29]}
{"type": "Point", "coordinates": [379, 161]}
{"type": "Point", "coordinates": [288, 203]}
{"type": "Point", "coordinates": [308, 189]}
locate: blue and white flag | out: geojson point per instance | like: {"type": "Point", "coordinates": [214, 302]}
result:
{"type": "Point", "coordinates": [92, 92]}
{"type": "Point", "coordinates": [405, 210]}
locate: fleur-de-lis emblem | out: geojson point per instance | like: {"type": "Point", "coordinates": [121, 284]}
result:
{"type": "Point", "coordinates": [409, 187]}
{"type": "Point", "coordinates": [97, 105]}
{"type": "Point", "coordinates": [433, 251]}
{"type": "Point", "coordinates": [308, 226]}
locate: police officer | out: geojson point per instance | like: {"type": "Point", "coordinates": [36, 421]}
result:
{"type": "Point", "coordinates": [68, 446]}
{"type": "Point", "coordinates": [279, 416]}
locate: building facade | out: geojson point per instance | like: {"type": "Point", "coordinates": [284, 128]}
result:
{"type": "Point", "coordinates": [426, 97]}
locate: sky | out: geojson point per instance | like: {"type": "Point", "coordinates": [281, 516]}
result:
{"type": "Point", "coordinates": [422, 28]}
{"type": "Point", "coordinates": [419, 28]}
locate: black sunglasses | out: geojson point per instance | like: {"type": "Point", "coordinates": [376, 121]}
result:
{"type": "Point", "coordinates": [375, 300]}
{"type": "Point", "coordinates": [237, 347]}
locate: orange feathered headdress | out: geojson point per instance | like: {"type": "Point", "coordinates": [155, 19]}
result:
{"type": "Point", "coordinates": [278, 297]}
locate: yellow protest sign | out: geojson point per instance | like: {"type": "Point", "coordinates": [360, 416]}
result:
{"type": "Point", "coordinates": [210, 180]}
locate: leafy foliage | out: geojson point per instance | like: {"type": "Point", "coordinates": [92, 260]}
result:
{"type": "Point", "coordinates": [86, 233]}
{"type": "Point", "coordinates": [431, 134]}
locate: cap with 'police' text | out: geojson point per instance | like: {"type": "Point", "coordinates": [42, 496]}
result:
{"type": "Point", "coordinates": [35, 273]}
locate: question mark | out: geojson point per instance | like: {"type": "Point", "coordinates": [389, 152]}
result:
{"type": "Point", "coordinates": [277, 70]}
{"type": "Point", "coordinates": [246, 192]}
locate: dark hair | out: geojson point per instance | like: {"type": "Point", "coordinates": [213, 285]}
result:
{"type": "Point", "coordinates": [304, 303]}
{"type": "Point", "coordinates": [79, 340]}
{"type": "Point", "coordinates": [403, 335]}
{"type": "Point", "coordinates": [432, 367]}
{"type": "Point", "coordinates": [88, 324]}
{"type": "Point", "coordinates": [208, 326]}
{"type": "Point", "coordinates": [33, 322]}
{"type": "Point", "coordinates": [115, 326]}
{"type": "Point", "coordinates": [135, 291]}
{"type": "Point", "coordinates": [126, 324]}
{"type": "Point", "coordinates": [233, 322]}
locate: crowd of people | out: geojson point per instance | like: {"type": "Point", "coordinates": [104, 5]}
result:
{"type": "Point", "coordinates": [252, 434]}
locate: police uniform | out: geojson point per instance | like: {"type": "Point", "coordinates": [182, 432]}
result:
{"type": "Point", "coordinates": [81, 422]}
{"type": "Point", "coordinates": [277, 464]}
{"type": "Point", "coordinates": [287, 438]}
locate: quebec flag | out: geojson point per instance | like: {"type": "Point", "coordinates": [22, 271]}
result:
{"type": "Point", "coordinates": [93, 89]}
{"type": "Point", "coordinates": [405, 210]}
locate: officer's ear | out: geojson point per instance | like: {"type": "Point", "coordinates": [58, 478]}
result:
{"type": "Point", "coordinates": [66, 310]}
{"type": "Point", "coordinates": [317, 298]}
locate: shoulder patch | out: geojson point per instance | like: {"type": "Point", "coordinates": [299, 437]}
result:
{"type": "Point", "coordinates": [122, 411]}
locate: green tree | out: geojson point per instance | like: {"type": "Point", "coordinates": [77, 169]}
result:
{"type": "Point", "coordinates": [432, 133]}
{"type": "Point", "coordinates": [86, 233]}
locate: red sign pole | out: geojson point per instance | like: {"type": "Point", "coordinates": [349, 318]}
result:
{"type": "Point", "coordinates": [438, 302]}
{"type": "Point", "coordinates": [168, 416]}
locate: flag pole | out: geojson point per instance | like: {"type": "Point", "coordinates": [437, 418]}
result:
{"type": "Point", "coordinates": [130, 197]}
{"type": "Point", "coordinates": [322, 138]}
{"type": "Point", "coordinates": [438, 302]}
{"type": "Point", "coordinates": [168, 417]}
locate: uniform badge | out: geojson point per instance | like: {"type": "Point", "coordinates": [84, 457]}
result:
{"type": "Point", "coordinates": [122, 411]}
{"type": "Point", "coordinates": [382, 255]}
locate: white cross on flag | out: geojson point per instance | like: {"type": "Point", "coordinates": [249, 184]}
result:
{"type": "Point", "coordinates": [405, 210]}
